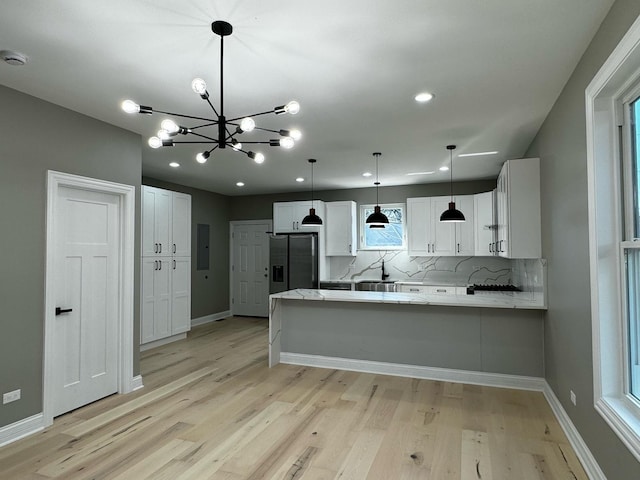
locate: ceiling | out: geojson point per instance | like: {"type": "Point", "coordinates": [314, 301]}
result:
{"type": "Point", "coordinates": [495, 67]}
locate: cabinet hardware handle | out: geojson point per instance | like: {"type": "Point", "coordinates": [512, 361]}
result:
{"type": "Point", "coordinates": [63, 310]}
{"type": "Point", "coordinates": [174, 264]}
{"type": "Point", "coordinates": [414, 289]}
{"type": "Point", "coordinates": [155, 248]}
{"type": "Point", "coordinates": [174, 248]}
{"type": "Point", "coordinates": [458, 248]}
{"type": "Point", "coordinates": [160, 248]}
{"type": "Point", "coordinates": [441, 290]}
{"type": "Point", "coordinates": [490, 247]}
{"type": "Point", "coordinates": [428, 248]}
{"type": "Point", "coordinates": [155, 264]}
{"type": "Point", "coordinates": [160, 263]}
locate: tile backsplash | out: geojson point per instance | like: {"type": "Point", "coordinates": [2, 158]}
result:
{"type": "Point", "coordinates": [367, 265]}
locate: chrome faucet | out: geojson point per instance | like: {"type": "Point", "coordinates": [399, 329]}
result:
{"type": "Point", "coordinates": [384, 275]}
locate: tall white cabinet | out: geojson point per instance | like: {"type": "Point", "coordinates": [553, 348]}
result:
{"type": "Point", "coordinates": [342, 232]}
{"type": "Point", "coordinates": [166, 264]}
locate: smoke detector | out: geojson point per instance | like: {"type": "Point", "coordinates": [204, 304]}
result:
{"type": "Point", "coordinates": [13, 58]}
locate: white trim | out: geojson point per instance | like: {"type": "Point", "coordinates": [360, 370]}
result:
{"type": "Point", "coordinates": [20, 429]}
{"type": "Point", "coordinates": [55, 180]}
{"type": "Point", "coordinates": [213, 317]}
{"type": "Point", "coordinates": [415, 371]}
{"type": "Point", "coordinates": [162, 341]}
{"type": "Point", "coordinates": [588, 461]}
{"type": "Point", "coordinates": [136, 383]}
{"type": "Point", "coordinates": [608, 87]}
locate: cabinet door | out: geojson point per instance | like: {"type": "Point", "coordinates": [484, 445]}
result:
{"type": "Point", "coordinates": [284, 214]}
{"type": "Point", "coordinates": [181, 225]}
{"type": "Point", "coordinates": [180, 294]}
{"type": "Point", "coordinates": [156, 220]}
{"type": "Point", "coordinates": [340, 228]}
{"type": "Point", "coordinates": [502, 194]}
{"type": "Point", "coordinates": [465, 241]}
{"type": "Point", "coordinates": [155, 322]}
{"type": "Point", "coordinates": [418, 212]}
{"type": "Point", "coordinates": [484, 224]}
{"type": "Point", "coordinates": [442, 234]}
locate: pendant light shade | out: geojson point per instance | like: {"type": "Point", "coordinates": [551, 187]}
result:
{"type": "Point", "coordinates": [312, 218]}
{"type": "Point", "coordinates": [377, 219]}
{"type": "Point", "coordinates": [452, 214]}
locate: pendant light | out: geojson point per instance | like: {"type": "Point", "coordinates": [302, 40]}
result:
{"type": "Point", "coordinates": [312, 218]}
{"type": "Point", "coordinates": [451, 214]}
{"type": "Point", "coordinates": [377, 219]}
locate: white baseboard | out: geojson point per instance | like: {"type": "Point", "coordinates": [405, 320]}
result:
{"type": "Point", "coordinates": [162, 341]}
{"type": "Point", "coordinates": [21, 429]}
{"type": "Point", "coordinates": [594, 472]}
{"type": "Point", "coordinates": [416, 371]}
{"type": "Point", "coordinates": [210, 318]}
{"type": "Point", "coordinates": [136, 383]}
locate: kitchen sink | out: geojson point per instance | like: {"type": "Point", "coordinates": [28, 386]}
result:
{"type": "Point", "coordinates": [376, 286]}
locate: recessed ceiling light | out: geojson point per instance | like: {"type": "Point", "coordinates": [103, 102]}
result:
{"type": "Point", "coordinates": [13, 58]}
{"type": "Point", "coordinates": [239, 184]}
{"type": "Point", "coordinates": [421, 173]}
{"type": "Point", "coordinates": [477, 154]}
{"type": "Point", "coordinates": [423, 97]}
{"type": "Point", "coordinates": [299, 179]}
{"type": "Point", "coordinates": [367, 174]}
{"type": "Point", "coordinates": [444, 168]}
{"type": "Point", "coordinates": [174, 164]}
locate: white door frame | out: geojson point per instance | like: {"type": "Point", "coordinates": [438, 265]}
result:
{"type": "Point", "coordinates": [232, 225]}
{"type": "Point", "coordinates": [126, 193]}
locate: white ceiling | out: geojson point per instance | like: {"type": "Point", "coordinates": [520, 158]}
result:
{"type": "Point", "coordinates": [494, 66]}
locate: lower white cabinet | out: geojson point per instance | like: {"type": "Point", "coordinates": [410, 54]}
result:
{"type": "Point", "coordinates": [341, 229]}
{"type": "Point", "coordinates": [166, 297]}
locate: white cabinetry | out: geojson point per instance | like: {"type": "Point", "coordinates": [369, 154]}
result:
{"type": "Point", "coordinates": [428, 236]}
{"type": "Point", "coordinates": [166, 264]}
{"type": "Point", "coordinates": [287, 216]}
{"type": "Point", "coordinates": [518, 209]}
{"type": "Point", "coordinates": [484, 221]}
{"type": "Point", "coordinates": [341, 229]}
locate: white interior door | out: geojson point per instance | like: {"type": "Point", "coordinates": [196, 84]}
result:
{"type": "Point", "coordinates": [85, 338]}
{"type": "Point", "coordinates": [250, 269]}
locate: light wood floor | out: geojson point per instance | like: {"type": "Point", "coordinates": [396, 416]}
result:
{"type": "Point", "coordinates": [212, 409]}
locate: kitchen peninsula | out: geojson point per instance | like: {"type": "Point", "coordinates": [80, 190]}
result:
{"type": "Point", "coordinates": [463, 337]}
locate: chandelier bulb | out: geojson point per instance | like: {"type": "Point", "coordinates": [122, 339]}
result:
{"type": "Point", "coordinates": [155, 142]}
{"type": "Point", "coordinates": [237, 146]}
{"type": "Point", "coordinates": [287, 142]}
{"type": "Point", "coordinates": [130, 106]}
{"type": "Point", "coordinates": [199, 86]}
{"type": "Point", "coordinates": [202, 157]}
{"type": "Point", "coordinates": [292, 107]}
{"type": "Point", "coordinates": [169, 125]}
{"type": "Point", "coordinates": [295, 134]}
{"type": "Point", "coordinates": [163, 134]}
{"type": "Point", "coordinates": [247, 124]}
{"type": "Point", "coordinates": [257, 157]}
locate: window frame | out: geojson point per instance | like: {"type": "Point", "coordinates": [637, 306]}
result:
{"type": "Point", "coordinates": [362, 217]}
{"type": "Point", "coordinates": [608, 174]}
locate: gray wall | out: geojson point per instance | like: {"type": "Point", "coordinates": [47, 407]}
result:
{"type": "Point", "coordinates": [36, 136]}
{"type": "Point", "coordinates": [209, 288]}
{"type": "Point", "coordinates": [561, 146]}
{"type": "Point", "coordinates": [258, 207]}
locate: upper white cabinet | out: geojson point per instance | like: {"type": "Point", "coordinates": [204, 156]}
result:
{"type": "Point", "coordinates": [287, 216]}
{"type": "Point", "coordinates": [341, 228]}
{"type": "Point", "coordinates": [484, 223]}
{"type": "Point", "coordinates": [166, 223]}
{"type": "Point", "coordinates": [427, 236]}
{"type": "Point", "coordinates": [518, 209]}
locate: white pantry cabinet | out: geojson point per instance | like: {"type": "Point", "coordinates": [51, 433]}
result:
{"type": "Point", "coordinates": [166, 264]}
{"type": "Point", "coordinates": [518, 209]}
{"type": "Point", "coordinates": [287, 216]}
{"type": "Point", "coordinates": [341, 229]}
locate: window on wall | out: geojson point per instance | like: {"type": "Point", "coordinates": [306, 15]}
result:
{"type": "Point", "coordinates": [613, 166]}
{"type": "Point", "coordinates": [391, 237]}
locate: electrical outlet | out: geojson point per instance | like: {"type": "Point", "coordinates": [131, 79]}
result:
{"type": "Point", "coordinates": [11, 396]}
{"type": "Point", "coordinates": [573, 397]}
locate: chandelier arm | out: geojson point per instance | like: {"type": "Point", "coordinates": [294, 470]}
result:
{"type": "Point", "coordinates": [195, 141]}
{"type": "Point", "coordinates": [267, 142]}
{"type": "Point", "coordinates": [250, 116]}
{"type": "Point", "coordinates": [203, 125]}
{"type": "Point", "coordinates": [212, 107]}
{"type": "Point", "coordinates": [267, 130]}
{"type": "Point", "coordinates": [215, 122]}
{"type": "Point", "coordinates": [204, 136]}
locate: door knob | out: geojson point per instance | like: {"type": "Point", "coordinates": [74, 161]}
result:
{"type": "Point", "coordinates": [63, 310]}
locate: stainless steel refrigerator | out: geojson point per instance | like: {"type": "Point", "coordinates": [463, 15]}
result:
{"type": "Point", "coordinates": [293, 261]}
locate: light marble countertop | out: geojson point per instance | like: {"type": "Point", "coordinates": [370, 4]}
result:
{"type": "Point", "coordinates": [485, 299]}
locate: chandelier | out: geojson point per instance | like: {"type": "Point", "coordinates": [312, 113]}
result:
{"type": "Point", "coordinates": [227, 129]}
